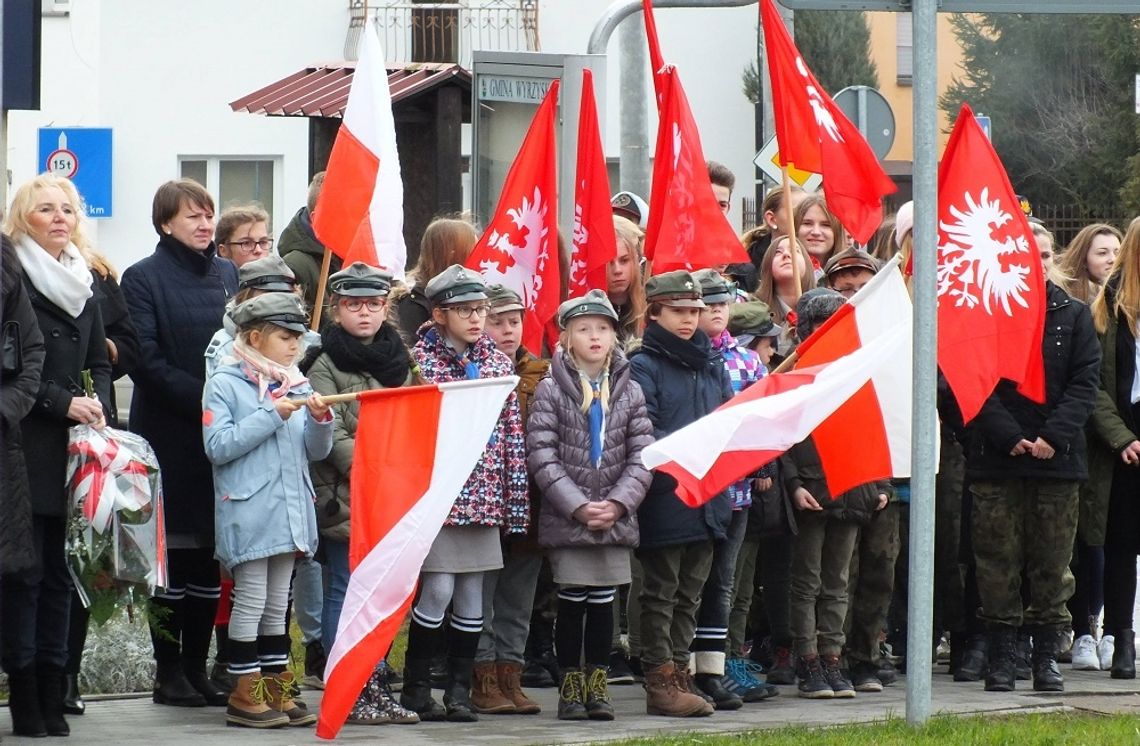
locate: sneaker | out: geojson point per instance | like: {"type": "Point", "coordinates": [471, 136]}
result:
{"type": "Point", "coordinates": [865, 677]}
{"type": "Point", "coordinates": [836, 678]}
{"type": "Point", "coordinates": [741, 681]}
{"type": "Point", "coordinates": [1068, 646]}
{"type": "Point", "coordinates": [812, 683]}
{"type": "Point", "coordinates": [1084, 655]}
{"type": "Point", "coordinates": [1104, 651]}
{"type": "Point", "coordinates": [782, 671]}
{"type": "Point", "coordinates": [620, 672]}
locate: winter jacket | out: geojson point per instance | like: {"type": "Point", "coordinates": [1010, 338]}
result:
{"type": "Point", "coordinates": [744, 369]}
{"type": "Point", "coordinates": [1072, 379]}
{"type": "Point", "coordinates": [71, 345]}
{"type": "Point", "coordinates": [800, 466]}
{"type": "Point", "coordinates": [680, 386]}
{"type": "Point", "coordinates": [119, 329]}
{"type": "Point", "coordinates": [176, 297]}
{"type": "Point", "coordinates": [263, 496]}
{"type": "Point", "coordinates": [412, 310]}
{"type": "Point", "coordinates": [20, 371]}
{"type": "Point", "coordinates": [558, 455]}
{"type": "Point", "coordinates": [496, 492]}
{"type": "Point", "coordinates": [301, 250]}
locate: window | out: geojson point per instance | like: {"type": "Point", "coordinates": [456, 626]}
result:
{"type": "Point", "coordinates": [904, 48]}
{"type": "Point", "coordinates": [235, 180]}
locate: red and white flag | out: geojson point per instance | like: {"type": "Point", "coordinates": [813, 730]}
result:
{"type": "Point", "coordinates": [686, 229]}
{"type": "Point", "coordinates": [594, 244]}
{"type": "Point", "coordinates": [520, 246]}
{"type": "Point", "coordinates": [991, 286]}
{"type": "Point", "coordinates": [815, 135]}
{"type": "Point", "coordinates": [415, 449]}
{"type": "Point", "coordinates": [360, 213]}
{"type": "Point", "coordinates": [856, 378]}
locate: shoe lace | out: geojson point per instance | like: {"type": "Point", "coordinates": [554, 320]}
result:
{"type": "Point", "coordinates": [259, 691]}
{"type": "Point", "coordinates": [573, 687]}
{"type": "Point", "coordinates": [597, 686]}
{"type": "Point", "coordinates": [740, 672]}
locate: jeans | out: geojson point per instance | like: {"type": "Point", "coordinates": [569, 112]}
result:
{"type": "Point", "coordinates": [508, 596]}
{"type": "Point", "coordinates": [716, 599]}
{"type": "Point", "coordinates": [336, 584]}
{"type": "Point", "coordinates": [308, 598]}
{"type": "Point", "coordinates": [35, 603]}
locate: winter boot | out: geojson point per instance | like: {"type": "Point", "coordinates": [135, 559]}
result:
{"type": "Point", "coordinates": [541, 667]}
{"type": "Point", "coordinates": [457, 693]}
{"type": "Point", "coordinates": [1046, 673]}
{"type": "Point", "coordinates": [486, 697]}
{"type": "Point", "coordinates": [972, 660]}
{"type": "Point", "coordinates": [837, 678]}
{"type": "Point", "coordinates": [509, 675]}
{"type": "Point", "coordinates": [598, 704]}
{"type": "Point", "coordinates": [73, 703]}
{"type": "Point", "coordinates": [1003, 652]}
{"type": "Point", "coordinates": [1124, 655]}
{"type": "Point", "coordinates": [664, 697]}
{"type": "Point", "coordinates": [211, 691]}
{"type": "Point", "coordinates": [783, 670]}
{"type": "Point", "coordinates": [377, 706]}
{"type": "Point", "coordinates": [416, 695]}
{"type": "Point", "coordinates": [685, 683]}
{"type": "Point", "coordinates": [24, 703]}
{"type": "Point", "coordinates": [219, 672]}
{"type": "Point", "coordinates": [247, 706]}
{"type": "Point", "coordinates": [572, 695]}
{"type": "Point", "coordinates": [171, 687]}
{"type": "Point", "coordinates": [282, 688]}
{"type": "Point", "coordinates": [813, 684]}
{"type": "Point", "coordinates": [713, 686]}
{"type": "Point", "coordinates": [50, 690]}
{"type": "Point", "coordinates": [1023, 661]}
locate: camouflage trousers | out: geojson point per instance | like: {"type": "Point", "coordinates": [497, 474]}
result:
{"type": "Point", "coordinates": [1030, 525]}
{"type": "Point", "coordinates": [871, 583]}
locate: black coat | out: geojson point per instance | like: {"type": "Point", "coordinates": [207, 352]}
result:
{"type": "Point", "coordinates": [72, 345]}
{"type": "Point", "coordinates": [177, 298]}
{"type": "Point", "coordinates": [412, 311]}
{"type": "Point", "coordinates": [118, 328]}
{"type": "Point", "coordinates": [677, 394]}
{"type": "Point", "coordinates": [1072, 379]}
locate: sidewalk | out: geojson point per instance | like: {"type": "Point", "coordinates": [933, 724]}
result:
{"type": "Point", "coordinates": [138, 722]}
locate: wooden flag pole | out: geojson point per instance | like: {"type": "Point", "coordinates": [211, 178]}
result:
{"type": "Point", "coordinates": [783, 367]}
{"type": "Point", "coordinates": [322, 282]}
{"type": "Point", "coordinates": [793, 241]}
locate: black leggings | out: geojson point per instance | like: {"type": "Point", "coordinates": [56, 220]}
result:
{"type": "Point", "coordinates": [1121, 546]}
{"type": "Point", "coordinates": [595, 606]}
{"type": "Point", "coordinates": [1088, 597]}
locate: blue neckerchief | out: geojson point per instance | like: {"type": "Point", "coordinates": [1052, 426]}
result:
{"type": "Point", "coordinates": [595, 417]}
{"type": "Point", "coordinates": [470, 369]}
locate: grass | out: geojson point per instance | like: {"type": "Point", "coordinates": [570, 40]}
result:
{"type": "Point", "coordinates": [1049, 729]}
{"type": "Point", "coordinates": [297, 651]}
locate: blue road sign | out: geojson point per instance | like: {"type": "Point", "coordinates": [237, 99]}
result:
{"type": "Point", "coordinates": [986, 125]}
{"type": "Point", "coordinates": [82, 154]}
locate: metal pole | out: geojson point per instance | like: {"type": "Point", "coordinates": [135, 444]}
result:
{"type": "Point", "coordinates": [920, 610]}
{"type": "Point", "coordinates": [633, 168]}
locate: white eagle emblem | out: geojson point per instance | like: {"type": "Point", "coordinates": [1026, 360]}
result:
{"type": "Point", "coordinates": [518, 254]}
{"type": "Point", "coordinates": [823, 116]}
{"type": "Point", "coordinates": [577, 248]}
{"type": "Point", "coordinates": [975, 267]}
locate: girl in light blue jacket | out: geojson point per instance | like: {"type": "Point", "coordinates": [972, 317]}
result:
{"type": "Point", "coordinates": [262, 424]}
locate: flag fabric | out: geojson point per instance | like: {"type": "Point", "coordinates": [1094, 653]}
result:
{"type": "Point", "coordinates": [360, 213]}
{"type": "Point", "coordinates": [991, 286]}
{"type": "Point", "coordinates": [415, 448]}
{"type": "Point", "coordinates": [815, 135]}
{"type": "Point", "coordinates": [520, 246]}
{"type": "Point", "coordinates": [594, 243]}
{"type": "Point", "coordinates": [656, 60]}
{"type": "Point", "coordinates": [686, 228]}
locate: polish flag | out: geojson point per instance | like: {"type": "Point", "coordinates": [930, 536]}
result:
{"type": "Point", "coordinates": [360, 213]}
{"type": "Point", "coordinates": [594, 243]}
{"type": "Point", "coordinates": [855, 376]}
{"type": "Point", "coordinates": [415, 448]}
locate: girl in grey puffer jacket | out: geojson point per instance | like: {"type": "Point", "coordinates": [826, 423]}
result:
{"type": "Point", "coordinates": [587, 427]}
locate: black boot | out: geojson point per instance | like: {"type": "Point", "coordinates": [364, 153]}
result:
{"type": "Point", "coordinates": [540, 667]}
{"type": "Point", "coordinates": [172, 688]}
{"type": "Point", "coordinates": [219, 672]}
{"type": "Point", "coordinates": [24, 703]}
{"type": "Point", "coordinates": [214, 694]}
{"type": "Point", "coordinates": [50, 688]}
{"type": "Point", "coordinates": [416, 695]}
{"type": "Point", "coordinates": [1002, 676]}
{"type": "Point", "coordinates": [457, 693]}
{"type": "Point", "coordinates": [1023, 662]}
{"type": "Point", "coordinates": [972, 659]}
{"type": "Point", "coordinates": [73, 703]}
{"type": "Point", "coordinates": [1124, 655]}
{"type": "Point", "coordinates": [713, 686]}
{"type": "Point", "coordinates": [1046, 673]}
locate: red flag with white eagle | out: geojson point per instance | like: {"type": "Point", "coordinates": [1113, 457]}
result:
{"type": "Point", "coordinates": [519, 249]}
{"type": "Point", "coordinates": [415, 449]}
{"type": "Point", "coordinates": [991, 286]}
{"type": "Point", "coordinates": [686, 229]}
{"type": "Point", "coordinates": [360, 213]}
{"type": "Point", "coordinates": [656, 60]}
{"type": "Point", "coordinates": [815, 135]}
{"type": "Point", "coordinates": [594, 243]}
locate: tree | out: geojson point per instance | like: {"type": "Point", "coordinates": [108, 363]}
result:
{"type": "Point", "coordinates": [836, 46]}
{"type": "Point", "coordinates": [1059, 89]}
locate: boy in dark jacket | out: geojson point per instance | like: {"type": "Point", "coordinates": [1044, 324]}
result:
{"type": "Point", "coordinates": [683, 379]}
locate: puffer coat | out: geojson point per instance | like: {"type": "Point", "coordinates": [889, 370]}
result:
{"type": "Point", "coordinates": [558, 454]}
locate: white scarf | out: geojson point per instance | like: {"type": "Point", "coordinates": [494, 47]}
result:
{"type": "Point", "coordinates": [66, 282]}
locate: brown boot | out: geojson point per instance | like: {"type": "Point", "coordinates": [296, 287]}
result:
{"type": "Point", "coordinates": [485, 695]}
{"type": "Point", "coordinates": [246, 707]}
{"type": "Point", "coordinates": [282, 687]}
{"type": "Point", "coordinates": [663, 697]}
{"type": "Point", "coordinates": [509, 675]}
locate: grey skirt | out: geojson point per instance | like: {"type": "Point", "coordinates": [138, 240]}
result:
{"type": "Point", "coordinates": [598, 566]}
{"type": "Point", "coordinates": [459, 549]}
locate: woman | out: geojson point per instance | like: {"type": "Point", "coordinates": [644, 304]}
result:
{"type": "Point", "coordinates": [446, 241]}
{"type": "Point", "coordinates": [177, 297]}
{"type": "Point", "coordinates": [819, 230]}
{"type": "Point", "coordinates": [624, 287]}
{"type": "Point", "coordinates": [778, 288]}
{"type": "Point", "coordinates": [1089, 260]}
{"type": "Point", "coordinates": [44, 221]}
{"type": "Point", "coordinates": [243, 234]}
{"type": "Point", "coordinates": [774, 225]}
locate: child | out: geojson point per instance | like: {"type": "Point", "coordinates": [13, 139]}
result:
{"type": "Point", "coordinates": [360, 350]}
{"type": "Point", "coordinates": [261, 425]}
{"type": "Point", "coordinates": [587, 430]}
{"type": "Point", "coordinates": [752, 325]}
{"type": "Point", "coordinates": [454, 347]}
{"type": "Point", "coordinates": [683, 379]}
{"type": "Point", "coordinates": [508, 594]}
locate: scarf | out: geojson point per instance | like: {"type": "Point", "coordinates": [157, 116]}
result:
{"type": "Point", "coordinates": [385, 358]}
{"type": "Point", "coordinates": [272, 378]}
{"type": "Point", "coordinates": [66, 282]}
{"type": "Point", "coordinates": [597, 420]}
{"type": "Point", "coordinates": [693, 353]}
{"type": "Point", "coordinates": [470, 367]}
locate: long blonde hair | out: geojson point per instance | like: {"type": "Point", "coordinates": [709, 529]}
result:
{"type": "Point", "coordinates": [631, 236]}
{"type": "Point", "coordinates": [583, 379]}
{"type": "Point", "coordinates": [1074, 263]}
{"type": "Point", "coordinates": [1125, 278]}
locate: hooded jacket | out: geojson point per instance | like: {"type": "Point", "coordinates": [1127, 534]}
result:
{"type": "Point", "coordinates": [303, 253]}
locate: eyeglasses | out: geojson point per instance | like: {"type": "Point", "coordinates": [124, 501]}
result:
{"type": "Point", "coordinates": [248, 245]}
{"type": "Point", "coordinates": [372, 304]}
{"type": "Point", "coordinates": [464, 312]}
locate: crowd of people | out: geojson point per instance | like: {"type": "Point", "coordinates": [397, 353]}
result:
{"type": "Point", "coordinates": [563, 562]}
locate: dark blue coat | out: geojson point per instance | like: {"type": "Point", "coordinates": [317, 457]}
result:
{"type": "Point", "coordinates": [176, 298]}
{"type": "Point", "coordinates": [677, 394]}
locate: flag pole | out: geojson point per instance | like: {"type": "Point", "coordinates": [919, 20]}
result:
{"type": "Point", "coordinates": [793, 242]}
{"type": "Point", "coordinates": [322, 281]}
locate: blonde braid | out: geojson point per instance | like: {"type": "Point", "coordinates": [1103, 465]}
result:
{"type": "Point", "coordinates": [588, 388]}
